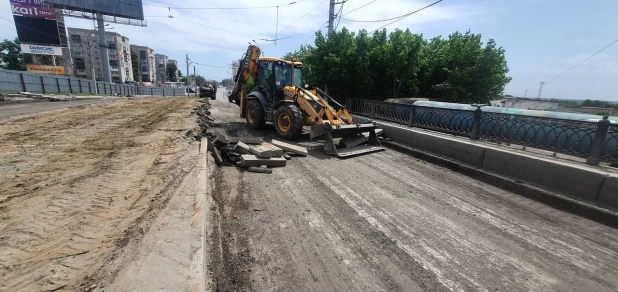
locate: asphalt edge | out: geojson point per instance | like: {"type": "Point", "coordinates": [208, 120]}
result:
{"type": "Point", "coordinates": [558, 201]}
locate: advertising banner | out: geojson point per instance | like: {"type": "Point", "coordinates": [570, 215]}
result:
{"type": "Point", "coordinates": [35, 3]}
{"type": "Point", "coordinates": [41, 50]}
{"type": "Point", "coordinates": [33, 11]}
{"type": "Point", "coordinates": [56, 70]}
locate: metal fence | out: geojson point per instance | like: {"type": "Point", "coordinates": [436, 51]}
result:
{"type": "Point", "coordinates": [595, 141]}
{"type": "Point", "coordinates": [19, 81]}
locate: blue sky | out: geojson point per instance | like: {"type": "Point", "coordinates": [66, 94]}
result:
{"type": "Point", "coordinates": [542, 38]}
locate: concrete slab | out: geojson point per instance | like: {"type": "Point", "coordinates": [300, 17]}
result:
{"type": "Point", "coordinates": [568, 179]}
{"type": "Point", "coordinates": [609, 192]}
{"type": "Point", "coordinates": [299, 150]}
{"type": "Point", "coordinates": [233, 140]}
{"type": "Point", "coordinates": [248, 160]}
{"type": "Point", "coordinates": [277, 152]}
{"type": "Point", "coordinates": [215, 152]}
{"type": "Point", "coordinates": [241, 148]}
{"type": "Point", "coordinates": [261, 151]}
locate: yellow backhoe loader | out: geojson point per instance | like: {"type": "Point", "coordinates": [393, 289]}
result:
{"type": "Point", "coordinates": [278, 97]}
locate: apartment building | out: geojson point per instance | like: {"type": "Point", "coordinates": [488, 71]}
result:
{"type": "Point", "coordinates": [161, 63]}
{"type": "Point", "coordinates": [146, 62]}
{"type": "Point", "coordinates": [86, 55]}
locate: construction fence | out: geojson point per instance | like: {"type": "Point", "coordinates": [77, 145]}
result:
{"type": "Point", "coordinates": [19, 81]}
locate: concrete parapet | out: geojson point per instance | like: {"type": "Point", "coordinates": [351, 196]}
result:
{"type": "Point", "coordinates": [565, 178]}
{"type": "Point", "coordinates": [468, 152]}
{"type": "Point", "coordinates": [609, 192]}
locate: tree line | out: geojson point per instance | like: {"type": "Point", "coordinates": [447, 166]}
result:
{"type": "Point", "coordinates": [459, 68]}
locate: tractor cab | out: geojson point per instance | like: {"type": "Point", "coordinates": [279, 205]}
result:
{"type": "Point", "coordinates": [274, 75]}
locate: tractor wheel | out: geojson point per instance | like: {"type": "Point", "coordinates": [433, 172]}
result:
{"type": "Point", "coordinates": [289, 121]}
{"type": "Point", "coordinates": [256, 118]}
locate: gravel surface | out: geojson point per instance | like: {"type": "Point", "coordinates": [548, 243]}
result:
{"type": "Point", "coordinates": [390, 222]}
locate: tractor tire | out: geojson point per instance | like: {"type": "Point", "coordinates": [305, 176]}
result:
{"type": "Point", "coordinates": [289, 121]}
{"type": "Point", "coordinates": [255, 117]}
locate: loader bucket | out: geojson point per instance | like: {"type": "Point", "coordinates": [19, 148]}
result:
{"type": "Point", "coordinates": [352, 139]}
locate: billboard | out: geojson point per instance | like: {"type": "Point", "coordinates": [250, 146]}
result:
{"type": "Point", "coordinates": [37, 30]}
{"type": "Point", "coordinates": [56, 70]}
{"type": "Point", "coordinates": [41, 50]}
{"type": "Point", "coordinates": [132, 9]}
{"type": "Point", "coordinates": [37, 3]}
{"type": "Point", "coordinates": [32, 11]}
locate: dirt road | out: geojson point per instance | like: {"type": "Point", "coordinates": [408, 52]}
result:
{"type": "Point", "coordinates": [80, 190]}
{"type": "Point", "coordinates": [390, 222]}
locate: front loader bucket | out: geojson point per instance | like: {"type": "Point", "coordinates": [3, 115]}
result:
{"type": "Point", "coordinates": [352, 139]}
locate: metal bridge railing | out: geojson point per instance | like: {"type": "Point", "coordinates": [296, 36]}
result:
{"type": "Point", "coordinates": [596, 141]}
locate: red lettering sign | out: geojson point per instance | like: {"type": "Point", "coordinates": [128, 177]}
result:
{"type": "Point", "coordinates": [33, 11]}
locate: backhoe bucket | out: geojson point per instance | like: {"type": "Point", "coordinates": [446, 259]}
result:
{"type": "Point", "coordinates": [352, 139]}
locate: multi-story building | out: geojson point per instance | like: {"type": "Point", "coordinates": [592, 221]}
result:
{"type": "Point", "coordinates": [161, 63]}
{"type": "Point", "coordinates": [86, 54]}
{"type": "Point", "coordinates": [146, 63]}
{"type": "Point", "coordinates": [175, 63]}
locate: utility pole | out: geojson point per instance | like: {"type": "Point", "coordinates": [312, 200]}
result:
{"type": "Point", "coordinates": [187, 78]}
{"type": "Point", "coordinates": [195, 78]}
{"type": "Point", "coordinates": [541, 89]}
{"type": "Point", "coordinates": [331, 17]}
{"type": "Point", "coordinates": [103, 46]}
{"type": "Point", "coordinates": [526, 93]}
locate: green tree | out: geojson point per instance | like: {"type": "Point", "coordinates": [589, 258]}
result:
{"type": "Point", "coordinates": [135, 65]}
{"type": "Point", "coordinates": [10, 53]}
{"type": "Point", "coordinates": [459, 68]}
{"type": "Point", "coordinates": [172, 69]}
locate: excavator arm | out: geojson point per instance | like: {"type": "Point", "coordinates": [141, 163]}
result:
{"type": "Point", "coordinates": [248, 67]}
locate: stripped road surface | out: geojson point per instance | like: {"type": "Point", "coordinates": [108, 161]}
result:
{"type": "Point", "coordinates": [100, 196]}
{"type": "Point", "coordinates": [390, 222]}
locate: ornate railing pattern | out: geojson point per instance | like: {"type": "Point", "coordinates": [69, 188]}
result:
{"type": "Point", "coordinates": [445, 120]}
{"type": "Point", "coordinates": [564, 136]}
{"type": "Point", "coordinates": [570, 137]}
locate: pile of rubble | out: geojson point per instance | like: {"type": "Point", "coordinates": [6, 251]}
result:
{"type": "Point", "coordinates": [253, 153]}
{"type": "Point", "coordinates": [204, 120]}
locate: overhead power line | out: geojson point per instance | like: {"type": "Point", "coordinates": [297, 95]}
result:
{"type": "Point", "coordinates": [314, 8]}
{"type": "Point", "coordinates": [223, 30]}
{"type": "Point", "coordinates": [358, 8]}
{"type": "Point", "coordinates": [397, 17]}
{"type": "Point", "coordinates": [339, 14]}
{"type": "Point", "coordinates": [319, 29]}
{"type": "Point", "coordinates": [225, 8]}
{"type": "Point", "coordinates": [211, 65]}
{"type": "Point", "coordinates": [406, 15]}
{"type": "Point", "coordinates": [567, 71]}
